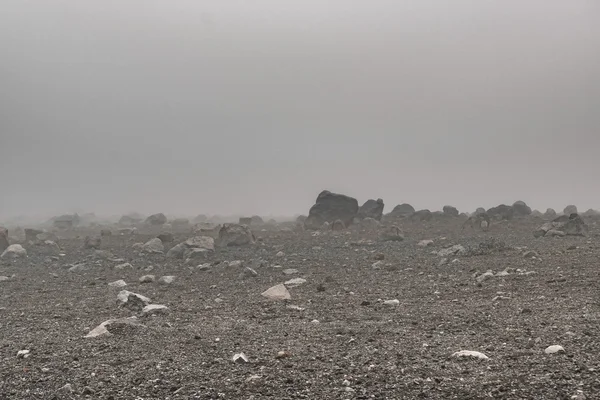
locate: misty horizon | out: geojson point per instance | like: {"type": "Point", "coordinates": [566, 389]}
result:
{"type": "Point", "coordinates": [190, 108]}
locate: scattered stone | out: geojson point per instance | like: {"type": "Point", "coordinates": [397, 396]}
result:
{"type": "Point", "coordinates": [531, 254]}
{"type": "Point", "coordinates": [153, 246]}
{"type": "Point", "coordinates": [277, 292]}
{"type": "Point", "coordinates": [123, 266]}
{"type": "Point", "coordinates": [425, 243]}
{"type": "Point", "coordinates": [457, 249]}
{"type": "Point", "coordinates": [391, 234]}
{"type": "Point", "coordinates": [92, 242]}
{"type": "Point", "coordinates": [282, 354]}
{"type": "Point", "coordinates": [118, 284]}
{"type": "Point", "coordinates": [471, 354]}
{"type": "Point", "coordinates": [290, 271]}
{"type": "Point", "coordinates": [295, 282]}
{"type": "Point", "coordinates": [155, 309]}
{"type": "Point", "coordinates": [240, 358]}
{"type": "Point", "coordinates": [4, 278]}
{"type": "Point", "coordinates": [68, 388]}
{"type": "Point", "coordinates": [235, 235]}
{"type": "Point", "coordinates": [394, 302]}
{"type": "Point", "coordinates": [102, 329]}
{"type": "Point", "coordinates": [14, 251]}
{"type": "Point", "coordinates": [132, 301]}
{"type": "Point", "coordinates": [156, 219]}
{"type": "Point", "coordinates": [485, 276]}
{"type": "Point", "coordinates": [166, 237]}
{"type": "Point", "coordinates": [236, 264]}
{"type": "Point", "coordinates": [554, 349]}
{"type": "Point", "coordinates": [147, 279]}
{"type": "Point", "coordinates": [166, 280]}
{"type": "Point", "coordinates": [249, 272]}
{"type": "Point", "coordinates": [105, 233]}
{"type": "Point", "coordinates": [23, 353]}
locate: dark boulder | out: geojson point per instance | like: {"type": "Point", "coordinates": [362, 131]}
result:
{"type": "Point", "coordinates": [371, 209]}
{"type": "Point", "coordinates": [521, 209]}
{"type": "Point", "coordinates": [156, 219]}
{"type": "Point", "coordinates": [501, 212]}
{"type": "Point", "coordinates": [570, 209]}
{"type": "Point", "coordinates": [422, 215]}
{"type": "Point", "coordinates": [402, 210]}
{"type": "Point", "coordinates": [330, 207]}
{"type": "Point", "coordinates": [451, 211]}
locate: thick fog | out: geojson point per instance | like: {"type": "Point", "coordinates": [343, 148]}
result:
{"type": "Point", "coordinates": [188, 107]}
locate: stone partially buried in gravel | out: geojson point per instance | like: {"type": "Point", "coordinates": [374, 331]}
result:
{"type": "Point", "coordinates": [132, 301]}
{"type": "Point", "coordinates": [235, 235]}
{"type": "Point", "coordinates": [118, 284]}
{"type": "Point", "coordinates": [102, 328]}
{"type": "Point", "coordinates": [147, 279]}
{"type": "Point", "coordinates": [295, 282]}
{"type": "Point", "coordinates": [155, 309]}
{"type": "Point", "coordinates": [153, 246]}
{"type": "Point", "coordinates": [470, 354]}
{"type": "Point", "coordinates": [166, 280]}
{"type": "Point", "coordinates": [554, 349]}
{"type": "Point", "coordinates": [14, 251]}
{"type": "Point", "coordinates": [277, 292]}
{"type": "Point", "coordinates": [290, 271]}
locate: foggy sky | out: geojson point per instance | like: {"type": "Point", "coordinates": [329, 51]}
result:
{"type": "Point", "coordinates": [201, 106]}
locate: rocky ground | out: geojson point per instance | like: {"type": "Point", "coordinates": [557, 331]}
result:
{"type": "Point", "coordinates": [374, 319]}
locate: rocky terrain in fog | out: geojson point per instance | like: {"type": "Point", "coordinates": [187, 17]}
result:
{"type": "Point", "coordinates": [346, 302]}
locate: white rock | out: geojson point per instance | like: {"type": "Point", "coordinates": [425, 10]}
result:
{"type": "Point", "coordinates": [554, 349]}
{"type": "Point", "coordinates": [14, 251]}
{"type": "Point", "coordinates": [166, 280]}
{"type": "Point", "coordinates": [394, 302]}
{"type": "Point", "coordinates": [153, 309]}
{"type": "Point", "coordinates": [23, 354]}
{"type": "Point", "coordinates": [119, 283]}
{"type": "Point", "coordinates": [469, 353]}
{"type": "Point", "coordinates": [236, 264]}
{"type": "Point", "coordinates": [240, 358]}
{"type": "Point", "coordinates": [277, 292]}
{"type": "Point", "coordinates": [280, 254]}
{"type": "Point", "coordinates": [295, 282]}
{"type": "Point", "coordinates": [123, 266]}
{"type": "Point", "coordinates": [4, 278]}
{"type": "Point", "coordinates": [125, 296]}
{"type": "Point", "coordinates": [101, 329]}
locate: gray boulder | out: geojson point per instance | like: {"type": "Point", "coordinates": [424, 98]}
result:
{"type": "Point", "coordinates": [330, 207]}
{"type": "Point", "coordinates": [156, 219]}
{"type": "Point", "coordinates": [521, 209]}
{"type": "Point", "coordinates": [153, 246]}
{"type": "Point", "coordinates": [570, 209]}
{"type": "Point", "coordinates": [14, 251]}
{"type": "Point", "coordinates": [450, 211]}
{"type": "Point", "coordinates": [402, 210]}
{"type": "Point", "coordinates": [371, 209]}
{"type": "Point", "coordinates": [235, 235]}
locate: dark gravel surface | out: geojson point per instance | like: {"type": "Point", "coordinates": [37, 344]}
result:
{"type": "Point", "coordinates": [345, 343]}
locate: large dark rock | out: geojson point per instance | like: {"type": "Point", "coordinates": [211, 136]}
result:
{"type": "Point", "coordinates": [65, 221]}
{"type": "Point", "coordinates": [570, 209]}
{"type": "Point", "coordinates": [235, 235]}
{"type": "Point", "coordinates": [130, 220]}
{"type": "Point", "coordinates": [330, 207]}
{"type": "Point", "coordinates": [422, 215]}
{"type": "Point", "coordinates": [371, 209]}
{"type": "Point", "coordinates": [521, 209]}
{"type": "Point", "coordinates": [402, 210]}
{"type": "Point", "coordinates": [451, 211]}
{"type": "Point", "coordinates": [550, 213]}
{"type": "Point", "coordinates": [501, 212]}
{"type": "Point", "coordinates": [3, 239]}
{"type": "Point", "coordinates": [156, 219]}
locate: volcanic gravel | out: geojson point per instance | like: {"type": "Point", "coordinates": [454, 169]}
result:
{"type": "Point", "coordinates": [337, 338]}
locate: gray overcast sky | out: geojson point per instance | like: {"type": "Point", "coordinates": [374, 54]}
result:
{"type": "Point", "coordinates": [230, 106]}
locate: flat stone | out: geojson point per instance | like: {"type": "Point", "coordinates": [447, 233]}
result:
{"type": "Point", "coordinates": [101, 329]}
{"type": "Point", "coordinates": [425, 243]}
{"type": "Point", "coordinates": [166, 280]}
{"type": "Point", "coordinates": [277, 292]}
{"type": "Point", "coordinates": [295, 282]}
{"type": "Point", "coordinates": [394, 302]}
{"type": "Point", "coordinates": [154, 309]}
{"type": "Point", "coordinates": [124, 266]}
{"type": "Point", "coordinates": [147, 279]}
{"type": "Point", "coordinates": [290, 271]}
{"type": "Point", "coordinates": [119, 283]}
{"type": "Point", "coordinates": [471, 354]}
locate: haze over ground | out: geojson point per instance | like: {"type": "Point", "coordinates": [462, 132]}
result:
{"type": "Point", "coordinates": [226, 107]}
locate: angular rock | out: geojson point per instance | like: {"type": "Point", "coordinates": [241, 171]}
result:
{"type": "Point", "coordinates": [132, 301]}
{"type": "Point", "coordinates": [402, 210]}
{"type": "Point", "coordinates": [105, 233]}
{"type": "Point", "coordinates": [277, 292]}
{"type": "Point", "coordinates": [14, 251]}
{"type": "Point", "coordinates": [371, 209]}
{"type": "Point", "coordinates": [240, 358]}
{"type": "Point", "coordinates": [330, 207]}
{"type": "Point", "coordinates": [391, 234]}
{"type": "Point", "coordinates": [235, 235]}
{"type": "Point", "coordinates": [295, 282]}
{"type": "Point", "coordinates": [166, 280]}
{"type": "Point", "coordinates": [101, 329]}
{"type": "Point", "coordinates": [92, 242]}
{"type": "Point", "coordinates": [153, 246]}
{"type": "Point", "coordinates": [156, 219]}
{"type": "Point", "coordinates": [166, 237]}
{"type": "Point", "coordinates": [554, 349]}
{"type": "Point", "coordinates": [570, 209]}
{"type": "Point", "coordinates": [451, 251]}
{"type": "Point", "coordinates": [118, 284]}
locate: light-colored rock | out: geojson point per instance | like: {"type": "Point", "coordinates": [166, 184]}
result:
{"type": "Point", "coordinates": [295, 282]}
{"type": "Point", "coordinates": [393, 302]}
{"type": "Point", "coordinates": [470, 354]}
{"type": "Point", "coordinates": [14, 251]}
{"type": "Point", "coordinates": [123, 266]}
{"type": "Point", "coordinates": [166, 280]}
{"type": "Point", "coordinates": [249, 272]}
{"type": "Point", "coordinates": [155, 309]}
{"type": "Point", "coordinates": [23, 353]}
{"type": "Point", "coordinates": [153, 246]}
{"type": "Point", "coordinates": [290, 271]}
{"type": "Point", "coordinates": [457, 249]}
{"type": "Point", "coordinates": [554, 349]}
{"type": "Point", "coordinates": [4, 278]}
{"type": "Point", "coordinates": [102, 330]}
{"type": "Point", "coordinates": [485, 276]}
{"type": "Point", "coordinates": [425, 243]}
{"type": "Point", "coordinates": [555, 233]}
{"type": "Point", "coordinates": [280, 254]}
{"type": "Point", "coordinates": [236, 264]}
{"type": "Point", "coordinates": [131, 300]}
{"type": "Point", "coordinates": [235, 235]}
{"type": "Point", "coordinates": [277, 292]}
{"type": "Point", "coordinates": [240, 358]}
{"type": "Point", "coordinates": [118, 284]}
